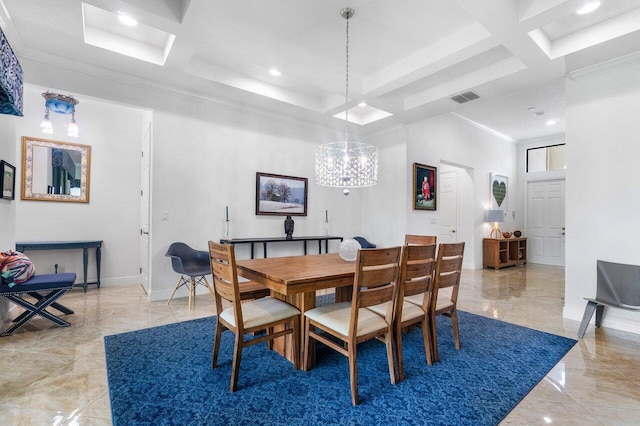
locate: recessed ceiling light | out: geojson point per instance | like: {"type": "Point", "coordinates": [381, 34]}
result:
{"type": "Point", "coordinates": [127, 20]}
{"type": "Point", "coordinates": [362, 104]}
{"type": "Point", "coordinates": [274, 72]}
{"type": "Point", "coordinates": [589, 7]}
{"type": "Point", "coordinates": [551, 122]}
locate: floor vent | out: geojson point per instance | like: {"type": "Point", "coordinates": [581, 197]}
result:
{"type": "Point", "coordinates": [465, 97]}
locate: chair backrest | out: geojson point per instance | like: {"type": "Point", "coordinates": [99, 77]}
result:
{"type": "Point", "coordinates": [618, 284]}
{"type": "Point", "coordinates": [416, 273]}
{"type": "Point", "coordinates": [448, 270]}
{"type": "Point", "coordinates": [375, 280]}
{"type": "Point", "coordinates": [185, 260]}
{"type": "Point", "coordinates": [420, 239]}
{"type": "Point", "coordinates": [225, 277]}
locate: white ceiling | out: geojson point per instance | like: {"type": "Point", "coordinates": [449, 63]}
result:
{"type": "Point", "coordinates": [407, 58]}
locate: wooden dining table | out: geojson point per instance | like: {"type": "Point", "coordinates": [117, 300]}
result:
{"type": "Point", "coordinates": [296, 279]}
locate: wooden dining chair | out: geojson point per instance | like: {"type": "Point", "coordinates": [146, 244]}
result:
{"type": "Point", "coordinates": [350, 323]}
{"type": "Point", "coordinates": [247, 317]}
{"type": "Point", "coordinates": [423, 240]}
{"type": "Point", "coordinates": [447, 278]}
{"type": "Point", "coordinates": [415, 281]}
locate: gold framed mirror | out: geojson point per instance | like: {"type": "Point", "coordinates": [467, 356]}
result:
{"type": "Point", "coordinates": [55, 171]}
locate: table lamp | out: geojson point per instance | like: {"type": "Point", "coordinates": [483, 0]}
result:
{"type": "Point", "coordinates": [494, 216]}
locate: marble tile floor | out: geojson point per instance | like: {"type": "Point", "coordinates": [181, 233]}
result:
{"type": "Point", "coordinates": [57, 376]}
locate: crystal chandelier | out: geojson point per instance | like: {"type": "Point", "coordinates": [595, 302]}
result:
{"type": "Point", "coordinates": [347, 164]}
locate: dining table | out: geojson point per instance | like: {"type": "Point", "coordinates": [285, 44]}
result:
{"type": "Point", "coordinates": [295, 279]}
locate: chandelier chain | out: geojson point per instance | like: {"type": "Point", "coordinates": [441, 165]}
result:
{"type": "Point", "coordinates": [346, 92]}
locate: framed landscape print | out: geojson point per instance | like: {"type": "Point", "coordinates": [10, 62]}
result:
{"type": "Point", "coordinates": [499, 192]}
{"type": "Point", "coordinates": [424, 187]}
{"type": "Point", "coordinates": [281, 195]}
{"type": "Point", "coordinates": [8, 176]}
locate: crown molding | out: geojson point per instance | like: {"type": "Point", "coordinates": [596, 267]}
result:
{"type": "Point", "coordinates": [605, 67]}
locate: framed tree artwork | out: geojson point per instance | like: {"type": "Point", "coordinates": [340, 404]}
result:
{"type": "Point", "coordinates": [281, 195]}
{"type": "Point", "coordinates": [424, 187]}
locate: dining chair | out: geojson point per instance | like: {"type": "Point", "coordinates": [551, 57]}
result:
{"type": "Point", "coordinates": [416, 282]}
{"type": "Point", "coordinates": [249, 317]}
{"type": "Point", "coordinates": [447, 277]}
{"type": "Point", "coordinates": [192, 265]}
{"type": "Point", "coordinates": [344, 325]}
{"type": "Point", "coordinates": [412, 239]}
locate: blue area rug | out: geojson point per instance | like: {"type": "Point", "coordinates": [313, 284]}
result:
{"type": "Point", "coordinates": [163, 376]}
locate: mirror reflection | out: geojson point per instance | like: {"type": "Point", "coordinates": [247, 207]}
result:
{"type": "Point", "coordinates": [55, 171]}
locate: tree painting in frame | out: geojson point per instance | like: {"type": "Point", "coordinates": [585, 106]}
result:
{"type": "Point", "coordinates": [424, 187]}
{"type": "Point", "coordinates": [499, 192]}
{"type": "Point", "coordinates": [281, 195]}
{"type": "Point", "coordinates": [8, 176]}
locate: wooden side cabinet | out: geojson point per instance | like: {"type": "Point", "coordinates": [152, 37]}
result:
{"type": "Point", "coordinates": [503, 252]}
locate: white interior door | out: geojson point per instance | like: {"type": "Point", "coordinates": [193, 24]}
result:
{"type": "Point", "coordinates": [145, 162]}
{"type": "Point", "coordinates": [545, 222]}
{"type": "Point", "coordinates": [448, 205]}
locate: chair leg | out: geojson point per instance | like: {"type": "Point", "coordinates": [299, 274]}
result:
{"type": "Point", "coordinates": [399, 356]}
{"type": "Point", "coordinates": [426, 337]}
{"type": "Point", "coordinates": [353, 372]}
{"type": "Point", "coordinates": [599, 315]}
{"type": "Point", "coordinates": [389, 343]}
{"type": "Point", "coordinates": [434, 338]}
{"type": "Point", "coordinates": [235, 367]}
{"type": "Point", "coordinates": [586, 318]}
{"type": "Point", "coordinates": [269, 332]}
{"type": "Point", "coordinates": [216, 344]}
{"type": "Point", "coordinates": [192, 292]}
{"type": "Point", "coordinates": [305, 357]}
{"type": "Point", "coordinates": [294, 342]}
{"type": "Point", "coordinates": [178, 284]}
{"type": "Point", "coordinates": [454, 326]}
{"type": "Point", "coordinates": [206, 283]}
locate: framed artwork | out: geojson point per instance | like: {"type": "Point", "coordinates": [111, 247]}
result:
{"type": "Point", "coordinates": [8, 175]}
{"type": "Point", "coordinates": [499, 192]}
{"type": "Point", "coordinates": [281, 195]}
{"type": "Point", "coordinates": [425, 187]}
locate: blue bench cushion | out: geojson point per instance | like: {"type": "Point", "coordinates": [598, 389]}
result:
{"type": "Point", "coordinates": [41, 282]}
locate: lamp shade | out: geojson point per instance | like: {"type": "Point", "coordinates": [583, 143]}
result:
{"type": "Point", "coordinates": [494, 216]}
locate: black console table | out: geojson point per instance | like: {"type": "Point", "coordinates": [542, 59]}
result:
{"type": "Point", "coordinates": [67, 245]}
{"type": "Point", "coordinates": [264, 242]}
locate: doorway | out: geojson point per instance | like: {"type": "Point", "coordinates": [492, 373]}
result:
{"type": "Point", "coordinates": [545, 222]}
{"type": "Point", "coordinates": [456, 205]}
{"type": "Point", "coordinates": [145, 202]}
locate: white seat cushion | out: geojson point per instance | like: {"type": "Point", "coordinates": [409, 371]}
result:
{"type": "Point", "coordinates": [338, 315]}
{"type": "Point", "coordinates": [416, 299]}
{"type": "Point", "coordinates": [260, 312]}
{"type": "Point", "coordinates": [443, 302]}
{"type": "Point", "coordinates": [409, 310]}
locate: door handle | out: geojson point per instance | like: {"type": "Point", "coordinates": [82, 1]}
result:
{"type": "Point", "coordinates": [453, 231]}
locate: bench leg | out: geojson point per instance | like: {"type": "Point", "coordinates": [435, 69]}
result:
{"type": "Point", "coordinates": [586, 318]}
{"type": "Point", "coordinates": [38, 309]}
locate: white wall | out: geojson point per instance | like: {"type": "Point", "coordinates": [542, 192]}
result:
{"type": "Point", "coordinates": [384, 221]}
{"type": "Point", "coordinates": [602, 196]}
{"type": "Point", "coordinates": [114, 132]}
{"type": "Point", "coordinates": [447, 140]}
{"type": "Point", "coordinates": [7, 207]}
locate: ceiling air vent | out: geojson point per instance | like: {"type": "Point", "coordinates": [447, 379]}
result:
{"type": "Point", "coordinates": [465, 97]}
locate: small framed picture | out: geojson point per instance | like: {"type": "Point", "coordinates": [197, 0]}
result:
{"type": "Point", "coordinates": [424, 187]}
{"type": "Point", "coordinates": [8, 174]}
{"type": "Point", "coordinates": [281, 195]}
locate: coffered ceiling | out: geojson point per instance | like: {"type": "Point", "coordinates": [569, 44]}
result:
{"type": "Point", "coordinates": [407, 58]}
